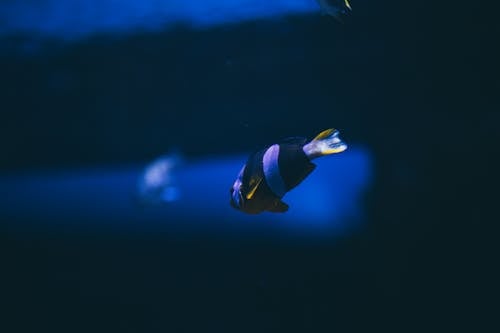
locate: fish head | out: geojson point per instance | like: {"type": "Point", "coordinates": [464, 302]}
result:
{"type": "Point", "coordinates": [243, 199]}
{"type": "Point", "coordinates": [236, 200]}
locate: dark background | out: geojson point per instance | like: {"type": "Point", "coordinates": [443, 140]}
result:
{"type": "Point", "coordinates": [416, 83]}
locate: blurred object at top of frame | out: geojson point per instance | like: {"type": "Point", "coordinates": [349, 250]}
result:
{"type": "Point", "coordinates": [81, 18]}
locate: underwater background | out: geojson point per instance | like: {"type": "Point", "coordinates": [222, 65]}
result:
{"type": "Point", "coordinates": [397, 233]}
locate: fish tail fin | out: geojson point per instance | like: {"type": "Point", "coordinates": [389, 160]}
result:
{"type": "Point", "coordinates": [347, 4]}
{"type": "Point", "coordinates": [325, 143]}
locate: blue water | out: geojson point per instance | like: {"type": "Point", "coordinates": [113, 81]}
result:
{"type": "Point", "coordinates": [87, 248]}
{"type": "Point", "coordinates": [81, 18]}
{"type": "Point", "coordinates": [330, 200]}
{"type": "Point", "coordinates": [396, 234]}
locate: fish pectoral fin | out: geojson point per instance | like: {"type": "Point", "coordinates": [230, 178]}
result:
{"type": "Point", "coordinates": [254, 184]}
{"type": "Point", "coordinates": [278, 207]}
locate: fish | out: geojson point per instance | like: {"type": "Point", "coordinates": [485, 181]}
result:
{"type": "Point", "coordinates": [335, 8]}
{"type": "Point", "coordinates": [273, 171]}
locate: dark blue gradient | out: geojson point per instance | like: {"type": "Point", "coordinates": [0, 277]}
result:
{"type": "Point", "coordinates": [80, 18]}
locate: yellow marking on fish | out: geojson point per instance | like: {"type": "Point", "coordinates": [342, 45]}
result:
{"type": "Point", "coordinates": [333, 150]}
{"type": "Point", "coordinates": [324, 134]}
{"type": "Point", "coordinates": [252, 191]}
{"type": "Point", "coordinates": [347, 4]}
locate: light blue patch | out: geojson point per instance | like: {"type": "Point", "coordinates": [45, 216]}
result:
{"type": "Point", "coordinates": [272, 171]}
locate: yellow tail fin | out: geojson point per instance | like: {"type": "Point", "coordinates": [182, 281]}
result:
{"type": "Point", "coordinates": [325, 134]}
{"type": "Point", "coordinates": [325, 143]}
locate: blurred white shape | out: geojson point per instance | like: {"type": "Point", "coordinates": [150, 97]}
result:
{"type": "Point", "coordinates": [157, 184]}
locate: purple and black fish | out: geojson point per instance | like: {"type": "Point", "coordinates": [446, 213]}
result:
{"type": "Point", "coordinates": [273, 171]}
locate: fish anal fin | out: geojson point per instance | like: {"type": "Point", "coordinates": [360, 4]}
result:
{"type": "Point", "coordinates": [278, 207]}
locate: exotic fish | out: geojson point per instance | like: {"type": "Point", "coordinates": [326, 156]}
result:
{"type": "Point", "coordinates": [335, 8]}
{"type": "Point", "coordinates": [273, 171]}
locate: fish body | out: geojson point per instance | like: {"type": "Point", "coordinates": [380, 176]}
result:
{"type": "Point", "coordinates": [335, 8]}
{"type": "Point", "coordinates": [273, 171]}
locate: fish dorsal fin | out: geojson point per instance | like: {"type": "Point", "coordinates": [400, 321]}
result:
{"type": "Point", "coordinates": [324, 134]}
{"type": "Point", "coordinates": [294, 140]}
{"type": "Point", "coordinates": [254, 184]}
{"type": "Point", "coordinates": [278, 207]}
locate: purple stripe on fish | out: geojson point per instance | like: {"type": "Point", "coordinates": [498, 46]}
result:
{"type": "Point", "coordinates": [272, 171]}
